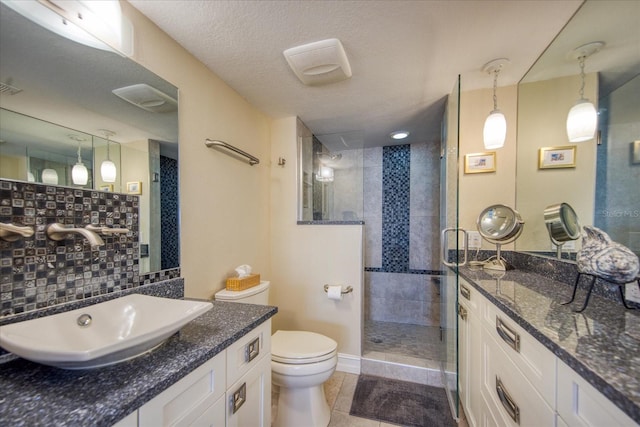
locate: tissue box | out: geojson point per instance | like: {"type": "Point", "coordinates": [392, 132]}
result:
{"type": "Point", "coordinates": [242, 283]}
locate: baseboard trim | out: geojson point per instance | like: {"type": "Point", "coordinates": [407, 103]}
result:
{"type": "Point", "coordinates": [348, 363]}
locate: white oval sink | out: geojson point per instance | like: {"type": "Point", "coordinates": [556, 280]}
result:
{"type": "Point", "coordinates": [101, 334]}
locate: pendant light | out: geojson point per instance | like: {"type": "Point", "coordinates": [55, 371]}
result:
{"type": "Point", "coordinates": [108, 168]}
{"type": "Point", "coordinates": [582, 119]}
{"type": "Point", "coordinates": [50, 176]}
{"type": "Point", "coordinates": [79, 173]}
{"type": "Point", "coordinates": [495, 126]}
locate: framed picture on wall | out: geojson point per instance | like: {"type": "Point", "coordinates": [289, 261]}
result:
{"type": "Point", "coordinates": [557, 157]}
{"type": "Point", "coordinates": [635, 153]}
{"type": "Point", "coordinates": [134, 187]}
{"type": "Point", "coordinates": [480, 162]}
{"type": "Point", "coordinates": [106, 187]}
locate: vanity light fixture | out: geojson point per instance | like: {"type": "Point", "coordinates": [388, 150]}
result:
{"type": "Point", "coordinates": [582, 119]}
{"type": "Point", "coordinates": [108, 168]}
{"type": "Point", "coordinates": [98, 24]}
{"type": "Point", "coordinates": [79, 173]}
{"type": "Point", "coordinates": [50, 176]}
{"type": "Point", "coordinates": [400, 134]}
{"type": "Point", "coordinates": [495, 126]}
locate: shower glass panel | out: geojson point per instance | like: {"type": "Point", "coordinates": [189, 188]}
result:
{"type": "Point", "coordinates": [449, 205]}
{"type": "Point", "coordinates": [330, 178]}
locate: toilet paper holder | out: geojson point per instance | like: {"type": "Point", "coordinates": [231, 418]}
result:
{"type": "Point", "coordinates": [346, 290]}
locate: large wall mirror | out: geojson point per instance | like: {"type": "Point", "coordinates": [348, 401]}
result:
{"type": "Point", "coordinates": [599, 178]}
{"type": "Point", "coordinates": [57, 109]}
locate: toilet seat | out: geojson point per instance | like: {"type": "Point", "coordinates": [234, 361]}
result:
{"type": "Point", "coordinates": [301, 347]}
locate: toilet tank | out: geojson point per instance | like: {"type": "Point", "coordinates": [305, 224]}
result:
{"type": "Point", "coordinates": [255, 295]}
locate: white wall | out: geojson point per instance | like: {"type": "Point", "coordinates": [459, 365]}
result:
{"type": "Point", "coordinates": [305, 257]}
{"type": "Point", "coordinates": [224, 202]}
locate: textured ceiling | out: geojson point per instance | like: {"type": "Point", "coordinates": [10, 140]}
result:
{"type": "Point", "coordinates": [405, 55]}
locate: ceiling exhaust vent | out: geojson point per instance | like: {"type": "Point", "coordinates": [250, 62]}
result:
{"type": "Point", "coordinates": [8, 89]}
{"type": "Point", "coordinates": [148, 98]}
{"type": "Point", "coordinates": [319, 63]}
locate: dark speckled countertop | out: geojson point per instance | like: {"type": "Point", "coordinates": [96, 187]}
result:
{"type": "Point", "coordinates": [602, 343]}
{"type": "Point", "coordinates": [36, 395]}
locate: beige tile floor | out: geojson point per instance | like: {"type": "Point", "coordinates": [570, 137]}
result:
{"type": "Point", "coordinates": [339, 390]}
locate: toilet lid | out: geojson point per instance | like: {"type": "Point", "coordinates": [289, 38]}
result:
{"type": "Point", "coordinates": [297, 347]}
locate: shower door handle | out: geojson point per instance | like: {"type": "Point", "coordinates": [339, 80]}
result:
{"type": "Point", "coordinates": [443, 246]}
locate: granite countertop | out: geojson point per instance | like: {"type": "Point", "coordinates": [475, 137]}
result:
{"type": "Point", "coordinates": [602, 343]}
{"type": "Point", "coordinates": [33, 395]}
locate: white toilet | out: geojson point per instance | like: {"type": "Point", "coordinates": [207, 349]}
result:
{"type": "Point", "coordinates": [301, 362]}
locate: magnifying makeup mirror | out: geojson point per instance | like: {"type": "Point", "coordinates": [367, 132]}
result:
{"type": "Point", "coordinates": [499, 224]}
{"type": "Point", "coordinates": [562, 224]}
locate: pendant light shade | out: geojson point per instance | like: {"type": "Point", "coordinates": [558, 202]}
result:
{"type": "Point", "coordinates": [108, 168]}
{"type": "Point", "coordinates": [582, 121]}
{"type": "Point", "coordinates": [79, 173]}
{"type": "Point", "coordinates": [108, 171]}
{"type": "Point", "coordinates": [495, 126]}
{"type": "Point", "coordinates": [50, 176]}
{"type": "Point", "coordinates": [495, 130]}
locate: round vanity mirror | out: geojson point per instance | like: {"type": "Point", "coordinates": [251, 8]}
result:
{"type": "Point", "coordinates": [562, 223]}
{"type": "Point", "coordinates": [499, 224]}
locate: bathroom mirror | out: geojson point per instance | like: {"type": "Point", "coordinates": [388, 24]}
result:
{"type": "Point", "coordinates": [562, 224]}
{"type": "Point", "coordinates": [602, 187]}
{"type": "Point", "coordinates": [53, 87]}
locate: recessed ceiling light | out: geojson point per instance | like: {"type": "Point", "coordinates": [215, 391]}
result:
{"type": "Point", "coordinates": [401, 134]}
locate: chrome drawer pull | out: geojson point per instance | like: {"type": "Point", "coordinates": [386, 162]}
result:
{"type": "Point", "coordinates": [462, 312]}
{"type": "Point", "coordinates": [508, 335]}
{"type": "Point", "coordinates": [465, 292]}
{"type": "Point", "coordinates": [238, 398]}
{"type": "Point", "coordinates": [507, 401]}
{"type": "Point", "coordinates": [252, 350]}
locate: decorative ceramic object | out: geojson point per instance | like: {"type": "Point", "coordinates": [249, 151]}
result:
{"type": "Point", "coordinates": [602, 257]}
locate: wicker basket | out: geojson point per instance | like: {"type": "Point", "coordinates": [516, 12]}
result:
{"type": "Point", "coordinates": [240, 284]}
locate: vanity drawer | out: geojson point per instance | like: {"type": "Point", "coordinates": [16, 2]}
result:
{"type": "Point", "coordinates": [510, 397]}
{"type": "Point", "coordinates": [537, 363]}
{"type": "Point", "coordinates": [247, 351]}
{"type": "Point", "coordinates": [469, 295]}
{"type": "Point", "coordinates": [188, 399]}
{"type": "Point", "coordinates": [580, 404]}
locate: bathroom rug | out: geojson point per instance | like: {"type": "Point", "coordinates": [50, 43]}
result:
{"type": "Point", "coordinates": [401, 402]}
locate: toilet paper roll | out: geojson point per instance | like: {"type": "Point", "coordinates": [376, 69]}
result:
{"type": "Point", "coordinates": [334, 292]}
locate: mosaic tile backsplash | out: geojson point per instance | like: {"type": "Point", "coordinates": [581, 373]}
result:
{"type": "Point", "coordinates": [38, 272]}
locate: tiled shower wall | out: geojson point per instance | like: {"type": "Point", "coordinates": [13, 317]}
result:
{"type": "Point", "coordinates": [38, 272]}
{"type": "Point", "coordinates": [401, 214]}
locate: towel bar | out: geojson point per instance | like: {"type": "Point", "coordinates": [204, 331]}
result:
{"type": "Point", "coordinates": [214, 143]}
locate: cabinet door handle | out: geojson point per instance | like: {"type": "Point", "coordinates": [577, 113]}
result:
{"type": "Point", "coordinates": [238, 398]}
{"type": "Point", "coordinates": [507, 401]}
{"type": "Point", "coordinates": [509, 336]}
{"type": "Point", "coordinates": [465, 292]}
{"type": "Point", "coordinates": [462, 312]}
{"type": "Point", "coordinates": [252, 350]}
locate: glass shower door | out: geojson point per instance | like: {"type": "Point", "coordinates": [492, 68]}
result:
{"type": "Point", "coordinates": [451, 256]}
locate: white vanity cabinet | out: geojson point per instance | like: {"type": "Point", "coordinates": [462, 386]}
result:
{"type": "Point", "coordinates": [520, 382]}
{"type": "Point", "coordinates": [469, 350]}
{"type": "Point", "coordinates": [231, 389]}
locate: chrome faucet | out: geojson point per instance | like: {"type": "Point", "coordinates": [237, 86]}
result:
{"type": "Point", "coordinates": [57, 231]}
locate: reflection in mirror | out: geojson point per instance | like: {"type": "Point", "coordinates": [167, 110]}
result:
{"type": "Point", "coordinates": [602, 185]}
{"type": "Point", "coordinates": [562, 224]}
{"type": "Point", "coordinates": [62, 92]}
{"type": "Point", "coordinates": [330, 178]}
